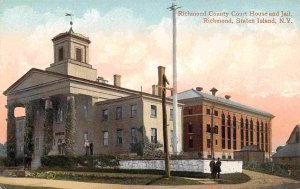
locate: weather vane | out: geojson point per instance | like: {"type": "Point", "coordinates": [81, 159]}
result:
{"type": "Point", "coordinates": [69, 14]}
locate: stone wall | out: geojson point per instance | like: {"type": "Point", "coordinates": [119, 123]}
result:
{"type": "Point", "coordinates": [192, 165]}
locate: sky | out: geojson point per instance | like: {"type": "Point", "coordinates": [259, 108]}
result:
{"type": "Point", "coordinates": [257, 64]}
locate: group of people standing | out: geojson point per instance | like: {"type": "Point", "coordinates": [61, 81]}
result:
{"type": "Point", "coordinates": [215, 168]}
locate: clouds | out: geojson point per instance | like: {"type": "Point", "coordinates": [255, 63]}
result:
{"type": "Point", "coordinates": [258, 60]}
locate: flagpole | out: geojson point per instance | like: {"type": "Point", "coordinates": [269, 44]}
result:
{"type": "Point", "coordinates": [173, 8]}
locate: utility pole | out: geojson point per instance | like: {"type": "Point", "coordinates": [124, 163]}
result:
{"type": "Point", "coordinates": [173, 8]}
{"type": "Point", "coordinates": [165, 128]}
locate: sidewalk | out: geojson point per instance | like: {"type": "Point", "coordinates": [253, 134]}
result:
{"type": "Point", "coordinates": [258, 180]}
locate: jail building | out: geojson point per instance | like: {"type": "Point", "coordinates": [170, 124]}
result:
{"type": "Point", "coordinates": [217, 126]}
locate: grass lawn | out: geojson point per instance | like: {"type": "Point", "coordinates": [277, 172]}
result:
{"type": "Point", "coordinates": [20, 187]}
{"type": "Point", "coordinates": [143, 177]}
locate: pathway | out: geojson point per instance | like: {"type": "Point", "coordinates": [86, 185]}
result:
{"type": "Point", "coordinates": [258, 180]}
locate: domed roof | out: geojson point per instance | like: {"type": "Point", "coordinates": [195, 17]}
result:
{"type": "Point", "coordinates": [71, 33]}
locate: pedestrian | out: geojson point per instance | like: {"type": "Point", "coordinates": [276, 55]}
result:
{"type": "Point", "coordinates": [29, 161]}
{"type": "Point", "coordinates": [91, 148]}
{"type": "Point", "coordinates": [25, 161]}
{"type": "Point", "coordinates": [212, 168]}
{"type": "Point", "coordinates": [218, 168]}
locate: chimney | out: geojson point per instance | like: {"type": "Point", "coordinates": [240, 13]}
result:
{"type": "Point", "coordinates": [161, 72]}
{"type": "Point", "coordinates": [155, 90]}
{"type": "Point", "coordinates": [213, 91]}
{"type": "Point", "coordinates": [227, 97]}
{"type": "Point", "coordinates": [199, 88]}
{"type": "Point", "coordinates": [117, 80]}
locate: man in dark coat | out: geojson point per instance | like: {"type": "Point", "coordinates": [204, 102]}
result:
{"type": "Point", "coordinates": [212, 168]}
{"type": "Point", "coordinates": [217, 168]}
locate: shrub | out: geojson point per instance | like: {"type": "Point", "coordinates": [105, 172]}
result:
{"type": "Point", "coordinates": [59, 161]}
{"type": "Point", "coordinates": [4, 161]}
{"type": "Point", "coordinates": [85, 161]}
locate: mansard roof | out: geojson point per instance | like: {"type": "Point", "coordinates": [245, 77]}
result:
{"type": "Point", "coordinates": [194, 94]}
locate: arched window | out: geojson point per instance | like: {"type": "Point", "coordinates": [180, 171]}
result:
{"type": "Point", "coordinates": [228, 132]}
{"type": "Point", "coordinates": [262, 136]}
{"type": "Point", "coordinates": [234, 121]}
{"type": "Point", "coordinates": [190, 127]}
{"type": "Point", "coordinates": [223, 131]}
{"type": "Point", "coordinates": [247, 133]}
{"type": "Point", "coordinates": [234, 132]}
{"type": "Point", "coordinates": [223, 119]}
{"type": "Point", "coordinates": [242, 132]}
{"type": "Point", "coordinates": [251, 132]}
{"type": "Point", "coordinates": [228, 120]}
{"type": "Point", "coordinates": [257, 133]}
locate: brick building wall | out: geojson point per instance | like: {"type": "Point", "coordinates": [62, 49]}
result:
{"type": "Point", "coordinates": [234, 129]}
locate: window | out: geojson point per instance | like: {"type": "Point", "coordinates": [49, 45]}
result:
{"type": "Point", "coordinates": [247, 133]}
{"type": "Point", "coordinates": [171, 114]}
{"type": "Point", "coordinates": [208, 143]}
{"type": "Point", "coordinates": [119, 113]}
{"type": "Point", "coordinates": [234, 132]}
{"type": "Point", "coordinates": [208, 111]}
{"type": "Point", "coordinates": [191, 145]}
{"type": "Point", "coordinates": [242, 133]}
{"type": "Point", "coordinates": [223, 119]}
{"type": "Point", "coordinates": [58, 115]}
{"type": "Point", "coordinates": [216, 142]}
{"type": "Point", "coordinates": [223, 136]}
{"type": "Point", "coordinates": [105, 138]}
{"type": "Point", "coordinates": [60, 54]}
{"type": "Point", "coordinates": [228, 120]}
{"type": "Point", "coordinates": [208, 129]}
{"type": "Point", "coordinates": [119, 136]}
{"type": "Point", "coordinates": [105, 115]}
{"type": "Point", "coordinates": [133, 135]}
{"type": "Point", "coordinates": [216, 129]}
{"type": "Point", "coordinates": [262, 136]}
{"type": "Point", "coordinates": [172, 137]}
{"type": "Point", "coordinates": [85, 136]}
{"type": "Point", "coordinates": [251, 132]}
{"type": "Point", "coordinates": [133, 110]}
{"type": "Point", "coordinates": [229, 137]}
{"type": "Point", "coordinates": [78, 55]}
{"type": "Point", "coordinates": [216, 113]}
{"type": "Point", "coordinates": [190, 127]}
{"type": "Point", "coordinates": [153, 135]}
{"type": "Point", "coordinates": [85, 110]}
{"type": "Point", "coordinates": [190, 111]}
{"type": "Point", "coordinates": [153, 111]}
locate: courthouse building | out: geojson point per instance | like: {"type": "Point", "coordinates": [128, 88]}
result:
{"type": "Point", "coordinates": [216, 126]}
{"type": "Point", "coordinates": [69, 110]}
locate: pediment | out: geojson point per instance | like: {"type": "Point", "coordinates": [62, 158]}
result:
{"type": "Point", "coordinates": [34, 78]}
